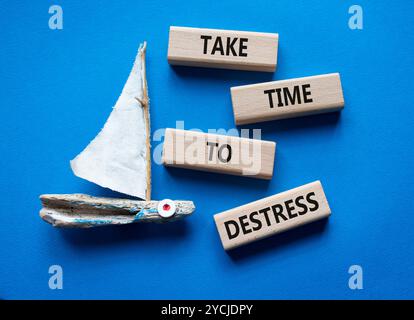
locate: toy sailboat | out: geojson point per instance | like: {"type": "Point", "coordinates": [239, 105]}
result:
{"type": "Point", "coordinates": [119, 158]}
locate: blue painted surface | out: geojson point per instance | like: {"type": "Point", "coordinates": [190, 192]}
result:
{"type": "Point", "coordinates": [142, 212]}
{"type": "Point", "coordinates": [93, 222]}
{"type": "Point", "coordinates": [58, 87]}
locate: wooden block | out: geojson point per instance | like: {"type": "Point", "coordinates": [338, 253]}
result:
{"type": "Point", "coordinates": [271, 215]}
{"type": "Point", "coordinates": [219, 153]}
{"type": "Point", "coordinates": [213, 48]}
{"type": "Point", "coordinates": [287, 98]}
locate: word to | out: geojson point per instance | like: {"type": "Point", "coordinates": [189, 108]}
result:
{"type": "Point", "coordinates": [218, 153]}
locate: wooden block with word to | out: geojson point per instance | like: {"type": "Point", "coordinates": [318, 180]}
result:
{"type": "Point", "coordinates": [271, 215]}
{"type": "Point", "coordinates": [287, 98]}
{"type": "Point", "coordinates": [219, 153]}
{"type": "Point", "coordinates": [225, 49]}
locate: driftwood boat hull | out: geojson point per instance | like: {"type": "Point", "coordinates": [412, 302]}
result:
{"type": "Point", "coordinates": [84, 211]}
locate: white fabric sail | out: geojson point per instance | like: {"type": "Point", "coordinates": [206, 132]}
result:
{"type": "Point", "coordinates": [119, 156]}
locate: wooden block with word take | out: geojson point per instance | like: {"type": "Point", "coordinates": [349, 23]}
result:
{"type": "Point", "coordinates": [218, 153]}
{"type": "Point", "coordinates": [287, 98]}
{"type": "Point", "coordinates": [226, 49]}
{"type": "Point", "coordinates": [271, 215]}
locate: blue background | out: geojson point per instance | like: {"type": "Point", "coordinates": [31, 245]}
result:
{"type": "Point", "coordinates": [57, 90]}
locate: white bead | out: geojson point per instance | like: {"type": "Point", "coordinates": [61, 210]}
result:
{"type": "Point", "coordinates": [166, 213]}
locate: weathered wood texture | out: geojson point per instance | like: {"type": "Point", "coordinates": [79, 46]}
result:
{"type": "Point", "coordinates": [84, 211]}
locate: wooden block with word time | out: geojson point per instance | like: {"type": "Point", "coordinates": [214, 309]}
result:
{"type": "Point", "coordinates": [219, 153]}
{"type": "Point", "coordinates": [287, 98]}
{"type": "Point", "coordinates": [226, 49]}
{"type": "Point", "coordinates": [271, 215]}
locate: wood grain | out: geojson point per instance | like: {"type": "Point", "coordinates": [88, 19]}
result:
{"type": "Point", "coordinates": [271, 215]}
{"type": "Point", "coordinates": [84, 211]}
{"type": "Point", "coordinates": [242, 50]}
{"type": "Point", "coordinates": [219, 153]}
{"type": "Point", "coordinates": [287, 98]}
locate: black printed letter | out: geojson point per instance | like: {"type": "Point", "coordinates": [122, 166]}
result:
{"type": "Point", "coordinates": [237, 230]}
{"type": "Point", "coordinates": [218, 46]}
{"type": "Point", "coordinates": [241, 53]}
{"type": "Point", "coordinates": [230, 46]}
{"type": "Point", "coordinates": [205, 38]}
{"type": "Point", "coordinates": [306, 93]}
{"type": "Point", "coordinates": [311, 201]}
{"type": "Point", "coordinates": [269, 93]}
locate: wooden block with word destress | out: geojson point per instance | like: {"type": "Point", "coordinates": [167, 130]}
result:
{"type": "Point", "coordinates": [219, 153]}
{"type": "Point", "coordinates": [287, 98]}
{"type": "Point", "coordinates": [226, 49]}
{"type": "Point", "coordinates": [271, 215]}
